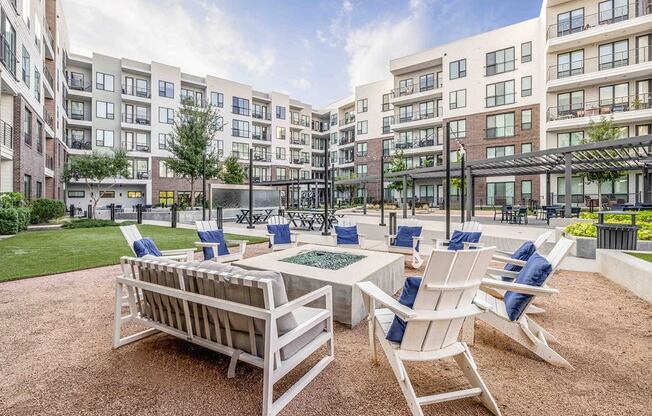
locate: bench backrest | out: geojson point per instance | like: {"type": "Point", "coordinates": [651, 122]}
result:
{"type": "Point", "coordinates": [131, 234]}
{"type": "Point", "coordinates": [346, 221]}
{"type": "Point", "coordinates": [277, 220]}
{"type": "Point", "coordinates": [541, 240]}
{"type": "Point", "coordinates": [206, 225]}
{"type": "Point", "coordinates": [559, 252]}
{"type": "Point", "coordinates": [471, 226]}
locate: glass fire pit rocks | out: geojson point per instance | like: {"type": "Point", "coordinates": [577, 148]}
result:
{"type": "Point", "coordinates": [324, 259]}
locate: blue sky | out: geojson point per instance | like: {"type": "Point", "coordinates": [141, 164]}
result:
{"type": "Point", "coordinates": [313, 50]}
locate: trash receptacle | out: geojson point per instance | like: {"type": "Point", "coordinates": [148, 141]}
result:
{"type": "Point", "coordinates": [617, 236]}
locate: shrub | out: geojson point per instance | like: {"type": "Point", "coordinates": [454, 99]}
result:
{"type": "Point", "coordinates": [11, 200]}
{"type": "Point", "coordinates": [88, 223]}
{"type": "Point", "coordinates": [588, 229]}
{"type": "Point", "coordinates": [13, 220]}
{"type": "Point", "coordinates": [44, 210]}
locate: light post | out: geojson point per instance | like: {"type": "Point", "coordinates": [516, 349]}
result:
{"type": "Point", "coordinates": [462, 157]}
{"type": "Point", "coordinates": [203, 187]}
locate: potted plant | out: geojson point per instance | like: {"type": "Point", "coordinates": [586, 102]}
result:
{"type": "Point", "coordinates": [637, 104]}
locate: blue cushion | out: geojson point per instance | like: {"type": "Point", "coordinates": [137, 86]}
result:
{"type": "Point", "coordinates": [534, 273]}
{"type": "Point", "coordinates": [460, 237]}
{"type": "Point", "coordinates": [146, 246]}
{"type": "Point", "coordinates": [281, 233]}
{"type": "Point", "coordinates": [213, 236]}
{"type": "Point", "coordinates": [404, 236]}
{"type": "Point", "coordinates": [347, 235]}
{"type": "Point", "coordinates": [408, 296]}
{"type": "Point", "coordinates": [524, 253]}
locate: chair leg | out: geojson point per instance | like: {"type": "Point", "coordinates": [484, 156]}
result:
{"type": "Point", "coordinates": [470, 370]}
{"type": "Point", "coordinates": [468, 330]}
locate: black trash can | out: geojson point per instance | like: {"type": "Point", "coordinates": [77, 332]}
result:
{"type": "Point", "coordinates": [617, 236]}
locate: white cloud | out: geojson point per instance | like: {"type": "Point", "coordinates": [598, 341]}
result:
{"type": "Point", "coordinates": [301, 83]}
{"type": "Point", "coordinates": [338, 26]}
{"type": "Point", "coordinates": [200, 39]}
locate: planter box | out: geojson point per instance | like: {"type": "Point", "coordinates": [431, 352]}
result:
{"type": "Point", "coordinates": [585, 247]}
{"type": "Point", "coordinates": [630, 272]}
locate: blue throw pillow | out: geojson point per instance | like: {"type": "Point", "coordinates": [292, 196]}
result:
{"type": "Point", "coordinates": [524, 253]}
{"type": "Point", "coordinates": [281, 233]}
{"type": "Point", "coordinates": [213, 236]}
{"type": "Point", "coordinates": [404, 236]}
{"type": "Point", "coordinates": [534, 273]}
{"type": "Point", "coordinates": [408, 296]}
{"type": "Point", "coordinates": [146, 246]}
{"type": "Point", "coordinates": [460, 237]}
{"type": "Point", "coordinates": [347, 235]}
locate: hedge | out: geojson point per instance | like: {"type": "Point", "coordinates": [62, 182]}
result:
{"type": "Point", "coordinates": [13, 220]}
{"type": "Point", "coordinates": [44, 210]}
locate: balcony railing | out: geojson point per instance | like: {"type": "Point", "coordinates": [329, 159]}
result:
{"type": "Point", "coordinates": [346, 161]}
{"type": "Point", "coordinates": [262, 157]}
{"type": "Point", "coordinates": [48, 117]}
{"type": "Point", "coordinates": [48, 76]}
{"type": "Point", "coordinates": [265, 137]}
{"type": "Point", "coordinates": [8, 56]}
{"type": "Point", "coordinates": [414, 144]}
{"type": "Point", "coordinates": [344, 140]}
{"type": "Point", "coordinates": [601, 107]}
{"type": "Point", "coordinates": [582, 23]}
{"type": "Point", "coordinates": [80, 144]}
{"type": "Point", "coordinates": [298, 141]}
{"type": "Point", "coordinates": [300, 161]}
{"type": "Point", "coordinates": [136, 91]}
{"type": "Point", "coordinates": [79, 115]}
{"type": "Point", "coordinates": [421, 116]}
{"type": "Point", "coordinates": [262, 178]}
{"type": "Point", "coordinates": [243, 111]}
{"type": "Point", "coordinates": [240, 155]}
{"type": "Point", "coordinates": [6, 131]}
{"type": "Point", "coordinates": [79, 85]}
{"type": "Point", "coordinates": [600, 63]}
{"type": "Point", "coordinates": [261, 115]}
{"type": "Point", "coordinates": [142, 119]}
{"type": "Point", "coordinates": [412, 89]}
{"type": "Point", "coordinates": [348, 120]}
{"type": "Point", "coordinates": [49, 162]}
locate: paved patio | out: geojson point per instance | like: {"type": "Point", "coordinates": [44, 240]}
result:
{"type": "Point", "coordinates": [56, 358]}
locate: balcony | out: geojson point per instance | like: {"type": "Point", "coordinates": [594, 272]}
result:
{"type": "Point", "coordinates": [264, 137]}
{"type": "Point", "coordinates": [262, 157]}
{"type": "Point", "coordinates": [262, 178]}
{"type": "Point", "coordinates": [347, 120]}
{"type": "Point", "coordinates": [8, 56]}
{"type": "Point", "coordinates": [415, 93]}
{"type": "Point", "coordinates": [298, 141]}
{"type": "Point", "coordinates": [79, 85]}
{"type": "Point", "coordinates": [299, 161]}
{"type": "Point", "coordinates": [49, 120]}
{"type": "Point", "coordinates": [6, 135]}
{"type": "Point", "coordinates": [48, 77]}
{"type": "Point", "coordinates": [79, 116]}
{"type": "Point", "coordinates": [138, 119]}
{"type": "Point", "coordinates": [414, 144]}
{"type": "Point", "coordinates": [346, 161]}
{"type": "Point", "coordinates": [261, 115]}
{"type": "Point", "coordinates": [347, 139]}
{"type": "Point", "coordinates": [135, 91]}
{"type": "Point", "coordinates": [418, 120]}
{"type": "Point", "coordinates": [78, 143]}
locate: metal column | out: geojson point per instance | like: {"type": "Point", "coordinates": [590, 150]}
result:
{"type": "Point", "coordinates": [568, 182]}
{"type": "Point", "coordinates": [447, 192]}
{"type": "Point", "coordinates": [462, 188]}
{"type": "Point", "coordinates": [647, 186]}
{"type": "Point", "coordinates": [404, 196]}
{"type": "Point", "coordinates": [469, 195]}
{"type": "Point", "coordinates": [548, 194]}
{"type": "Point", "coordinates": [382, 191]}
{"type": "Point", "coordinates": [251, 188]}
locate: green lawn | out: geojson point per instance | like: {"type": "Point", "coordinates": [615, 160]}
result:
{"type": "Point", "coordinates": [38, 253]}
{"type": "Point", "coordinates": [642, 256]}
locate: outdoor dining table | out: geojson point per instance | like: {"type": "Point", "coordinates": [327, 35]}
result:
{"type": "Point", "coordinates": [257, 216]}
{"type": "Point", "coordinates": [308, 219]}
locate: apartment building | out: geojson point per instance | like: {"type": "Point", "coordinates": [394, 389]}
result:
{"type": "Point", "coordinates": [32, 150]}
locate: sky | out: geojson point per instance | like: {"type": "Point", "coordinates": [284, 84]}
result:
{"type": "Point", "coordinates": [315, 50]}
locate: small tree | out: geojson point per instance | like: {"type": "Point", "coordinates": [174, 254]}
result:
{"type": "Point", "coordinates": [603, 130]}
{"type": "Point", "coordinates": [232, 172]}
{"type": "Point", "coordinates": [193, 156]}
{"type": "Point", "coordinates": [397, 164]}
{"type": "Point", "coordinates": [93, 169]}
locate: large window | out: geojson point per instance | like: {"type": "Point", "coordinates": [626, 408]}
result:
{"type": "Point", "coordinates": [615, 95]}
{"type": "Point", "coordinates": [387, 146]}
{"type": "Point", "coordinates": [361, 170]}
{"type": "Point", "coordinates": [166, 198]}
{"type": "Point", "coordinates": [239, 128]}
{"type": "Point", "coordinates": [405, 114]}
{"type": "Point", "coordinates": [104, 81]}
{"type": "Point", "coordinates": [426, 110]}
{"type": "Point", "coordinates": [104, 138]}
{"type": "Point", "coordinates": [577, 190]}
{"type": "Point", "coordinates": [570, 22]}
{"type": "Point", "coordinates": [363, 127]}
{"type": "Point", "coordinates": [526, 119]}
{"type": "Point", "coordinates": [457, 69]}
{"type": "Point", "coordinates": [280, 133]}
{"type": "Point", "coordinates": [457, 129]}
{"type": "Point", "coordinates": [104, 110]}
{"type": "Point", "coordinates": [362, 149]}
{"type": "Point", "coordinates": [500, 151]}
{"type": "Point", "coordinates": [500, 61]}
{"type": "Point", "coordinates": [500, 93]}
{"type": "Point", "coordinates": [457, 99]}
{"type": "Point", "coordinates": [217, 99]}
{"type": "Point", "coordinates": [500, 125]}
{"type": "Point", "coordinates": [27, 187]}
{"type": "Point", "coordinates": [280, 112]}
{"type": "Point", "coordinates": [166, 89]}
{"type": "Point", "coordinates": [27, 126]}
{"type": "Point", "coordinates": [500, 193]}
{"type": "Point", "coordinates": [427, 82]}
{"type": "Point", "coordinates": [27, 69]}
{"type": "Point", "coordinates": [280, 153]}
{"type": "Point", "coordinates": [570, 63]}
{"type": "Point", "coordinates": [611, 11]}
{"type": "Point", "coordinates": [166, 115]}
{"type": "Point", "coordinates": [240, 106]}
{"type": "Point", "coordinates": [363, 105]}
{"type": "Point", "coordinates": [164, 171]}
{"type": "Point", "coordinates": [570, 138]}
{"type": "Point", "coordinates": [526, 190]}
{"type": "Point", "coordinates": [526, 52]}
{"type": "Point", "coordinates": [386, 105]}
{"type": "Point", "coordinates": [405, 86]}
{"type": "Point", "coordinates": [240, 150]}
{"type": "Point", "coordinates": [570, 102]}
{"type": "Point", "coordinates": [613, 55]}
{"type": "Point", "coordinates": [163, 141]}
{"type": "Point", "coordinates": [387, 122]}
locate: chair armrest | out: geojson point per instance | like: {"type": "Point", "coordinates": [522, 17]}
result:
{"type": "Point", "coordinates": [237, 241]}
{"type": "Point", "coordinates": [417, 237]}
{"type": "Point", "coordinates": [179, 257]}
{"type": "Point", "coordinates": [177, 251]}
{"type": "Point", "coordinates": [326, 292]}
{"type": "Point", "coordinates": [468, 246]}
{"type": "Point", "coordinates": [361, 235]}
{"type": "Point", "coordinates": [501, 272]}
{"type": "Point", "coordinates": [371, 290]}
{"type": "Point", "coordinates": [209, 245]}
{"type": "Point", "coordinates": [390, 235]}
{"type": "Point", "coordinates": [504, 252]}
{"type": "Point", "coordinates": [518, 287]}
{"type": "Point", "coordinates": [508, 260]}
{"type": "Point", "coordinates": [446, 315]}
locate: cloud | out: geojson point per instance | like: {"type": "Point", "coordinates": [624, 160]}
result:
{"type": "Point", "coordinates": [301, 83]}
{"type": "Point", "coordinates": [339, 25]}
{"type": "Point", "coordinates": [200, 38]}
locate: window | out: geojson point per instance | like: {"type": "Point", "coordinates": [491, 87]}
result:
{"type": "Point", "coordinates": [27, 187]}
{"type": "Point", "coordinates": [240, 150]}
{"type": "Point", "coordinates": [570, 138]}
{"type": "Point", "coordinates": [387, 146]}
{"type": "Point", "coordinates": [427, 82]}
{"type": "Point", "coordinates": [500, 151]}
{"type": "Point", "coordinates": [386, 105]}
{"type": "Point", "coordinates": [457, 69]}
{"type": "Point", "coordinates": [217, 147]}
{"type": "Point", "coordinates": [611, 11]}
{"type": "Point", "coordinates": [426, 110]}
{"type": "Point", "coordinates": [39, 136]}
{"type": "Point", "coordinates": [104, 110]}
{"type": "Point", "coordinates": [577, 189]}
{"type": "Point", "coordinates": [387, 122]}
{"type": "Point", "coordinates": [281, 174]}
{"type": "Point", "coordinates": [240, 128]}
{"type": "Point", "coordinates": [39, 189]}
{"type": "Point", "coordinates": [166, 115]}
{"type": "Point", "coordinates": [107, 194]}
{"type": "Point", "coordinates": [361, 170]}
{"type": "Point", "coordinates": [128, 140]}
{"type": "Point", "coordinates": [363, 105]}
{"type": "Point", "coordinates": [37, 85]}
{"type": "Point", "coordinates": [165, 89]}
{"type": "Point", "coordinates": [27, 126]}
{"type": "Point", "coordinates": [643, 129]}
{"type": "Point", "coordinates": [526, 86]}
{"type": "Point", "coordinates": [166, 198]}
{"type": "Point", "coordinates": [643, 49]}
{"type": "Point", "coordinates": [570, 102]}
{"type": "Point", "coordinates": [240, 106]}
{"type": "Point", "coordinates": [104, 81]}
{"type": "Point", "coordinates": [457, 129]}
{"type": "Point", "coordinates": [457, 99]}
{"type": "Point", "coordinates": [362, 149]}
{"type": "Point", "coordinates": [526, 52]}
{"type": "Point", "coordinates": [615, 95]}
{"type": "Point", "coordinates": [500, 93]}
{"type": "Point", "coordinates": [280, 112]}
{"type": "Point", "coordinates": [217, 99]}
{"type": "Point", "coordinates": [500, 125]}
{"type": "Point", "coordinates": [164, 171]}
{"type": "Point", "coordinates": [362, 127]}
{"type": "Point", "coordinates": [280, 133]}
{"type": "Point", "coordinates": [500, 193]}
{"type": "Point", "coordinates": [104, 138]}
{"type": "Point", "coordinates": [405, 86]}
{"type": "Point", "coordinates": [526, 147]}
{"type": "Point", "coordinates": [405, 114]}
{"type": "Point", "coordinates": [613, 55]}
{"type": "Point", "coordinates": [134, 194]}
{"type": "Point", "coordinates": [280, 153]}
{"type": "Point", "coordinates": [570, 22]}
{"type": "Point", "coordinates": [76, 194]}
{"type": "Point", "coordinates": [500, 61]}
{"type": "Point", "coordinates": [142, 142]}
{"type": "Point", "coordinates": [163, 141]}
{"type": "Point", "coordinates": [570, 63]}
{"type": "Point", "coordinates": [526, 119]}
{"type": "Point", "coordinates": [27, 69]}
{"type": "Point", "coordinates": [526, 190]}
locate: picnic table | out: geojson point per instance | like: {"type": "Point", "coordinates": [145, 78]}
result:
{"type": "Point", "coordinates": [308, 219]}
{"type": "Point", "coordinates": [257, 216]}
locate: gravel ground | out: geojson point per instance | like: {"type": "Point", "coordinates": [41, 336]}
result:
{"type": "Point", "coordinates": [56, 358]}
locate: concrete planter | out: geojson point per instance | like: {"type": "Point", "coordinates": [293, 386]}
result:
{"type": "Point", "coordinates": [630, 272]}
{"type": "Point", "coordinates": [585, 247]}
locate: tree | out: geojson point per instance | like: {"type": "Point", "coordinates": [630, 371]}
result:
{"type": "Point", "coordinates": [232, 172]}
{"type": "Point", "coordinates": [397, 164]}
{"type": "Point", "coordinates": [603, 130]}
{"type": "Point", "coordinates": [93, 169]}
{"type": "Point", "coordinates": [191, 143]}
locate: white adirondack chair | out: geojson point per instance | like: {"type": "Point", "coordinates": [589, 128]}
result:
{"type": "Point", "coordinates": [469, 226]}
{"type": "Point", "coordinates": [279, 220]}
{"type": "Point", "coordinates": [445, 298]}
{"type": "Point", "coordinates": [212, 225]}
{"type": "Point", "coordinates": [348, 221]}
{"type": "Point", "coordinates": [417, 261]}
{"type": "Point", "coordinates": [131, 234]}
{"type": "Point", "coordinates": [523, 330]}
{"type": "Point", "coordinates": [540, 241]}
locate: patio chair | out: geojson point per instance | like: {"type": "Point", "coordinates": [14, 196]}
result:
{"type": "Point", "coordinates": [540, 241]}
{"type": "Point", "coordinates": [280, 236]}
{"type": "Point", "coordinates": [465, 237]}
{"type": "Point", "coordinates": [243, 314]}
{"type": "Point", "coordinates": [506, 213]}
{"type": "Point", "coordinates": [407, 241]}
{"type": "Point", "coordinates": [431, 320]}
{"type": "Point", "coordinates": [509, 314]}
{"type": "Point", "coordinates": [519, 216]}
{"type": "Point", "coordinates": [139, 245]}
{"type": "Point", "coordinates": [346, 233]}
{"type": "Point", "coordinates": [213, 241]}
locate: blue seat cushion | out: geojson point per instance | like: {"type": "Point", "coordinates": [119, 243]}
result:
{"type": "Point", "coordinates": [404, 236]}
{"type": "Point", "coordinates": [408, 296]}
{"type": "Point", "coordinates": [213, 236]}
{"type": "Point", "coordinates": [524, 252]}
{"type": "Point", "coordinates": [534, 273]}
{"type": "Point", "coordinates": [347, 235]}
{"type": "Point", "coordinates": [145, 246]}
{"type": "Point", "coordinates": [460, 237]}
{"type": "Point", "coordinates": [281, 233]}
